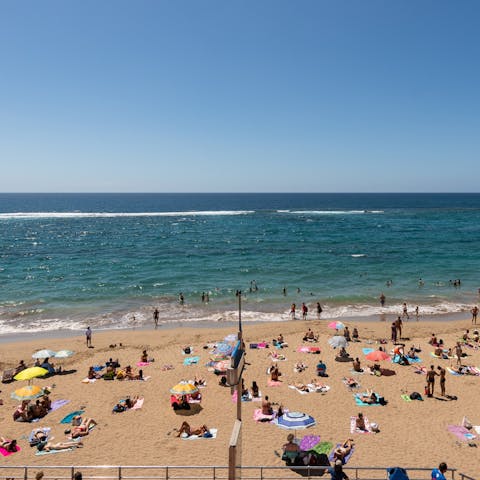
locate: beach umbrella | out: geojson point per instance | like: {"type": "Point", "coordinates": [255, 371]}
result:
{"type": "Point", "coordinates": [184, 388]}
{"type": "Point", "coordinates": [336, 325]}
{"type": "Point", "coordinates": [44, 354]}
{"type": "Point", "coordinates": [223, 348]}
{"type": "Point", "coordinates": [222, 366]}
{"type": "Point", "coordinates": [295, 421]}
{"type": "Point", "coordinates": [64, 354]}
{"type": "Point", "coordinates": [338, 341]}
{"type": "Point", "coordinates": [308, 442]}
{"type": "Point", "coordinates": [377, 355]}
{"type": "Point", "coordinates": [30, 373]}
{"type": "Point", "coordinates": [232, 337]}
{"type": "Point", "coordinates": [27, 393]}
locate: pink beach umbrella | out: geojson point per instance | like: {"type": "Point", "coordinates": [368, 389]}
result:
{"type": "Point", "coordinates": [377, 355]}
{"type": "Point", "coordinates": [336, 325]}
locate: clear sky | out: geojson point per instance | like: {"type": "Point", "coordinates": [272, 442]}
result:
{"type": "Point", "coordinates": [244, 96]}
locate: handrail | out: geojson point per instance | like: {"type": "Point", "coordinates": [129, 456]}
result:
{"type": "Point", "coordinates": [215, 472]}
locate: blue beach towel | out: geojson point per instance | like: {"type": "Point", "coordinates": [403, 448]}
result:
{"type": "Point", "coordinates": [359, 402]}
{"type": "Point", "coordinates": [366, 351]}
{"type": "Point", "coordinates": [191, 360]}
{"type": "Point", "coordinates": [69, 417]}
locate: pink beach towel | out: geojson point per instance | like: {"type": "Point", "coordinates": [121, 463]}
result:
{"type": "Point", "coordinates": [138, 404]}
{"type": "Point", "coordinates": [258, 416]}
{"type": "Point", "coordinates": [461, 432]}
{"type": "Point", "coordinates": [143, 364]}
{"type": "Point", "coordinates": [6, 453]}
{"type": "Point", "coordinates": [273, 383]}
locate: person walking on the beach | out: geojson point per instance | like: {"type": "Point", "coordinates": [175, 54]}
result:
{"type": "Point", "coordinates": [382, 300]}
{"type": "Point", "coordinates": [398, 326]}
{"type": "Point", "coordinates": [458, 353]}
{"type": "Point", "coordinates": [431, 374]}
{"type": "Point", "coordinates": [442, 379]}
{"type": "Point", "coordinates": [156, 315]}
{"type": "Point", "coordinates": [88, 336]}
{"type": "Point", "coordinates": [304, 311]}
{"type": "Point", "coordinates": [319, 310]}
{"type": "Point", "coordinates": [394, 332]}
{"type": "Point", "coordinates": [405, 310]}
{"type": "Point", "coordinates": [474, 314]}
{"type": "Point", "coordinates": [292, 311]}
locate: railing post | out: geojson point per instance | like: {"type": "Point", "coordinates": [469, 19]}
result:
{"type": "Point", "coordinates": [119, 473]}
{"type": "Point", "coordinates": [166, 473]}
{"type": "Point", "coordinates": [25, 473]}
{"type": "Point", "coordinates": [72, 472]}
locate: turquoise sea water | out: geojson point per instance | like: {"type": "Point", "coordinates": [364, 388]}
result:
{"type": "Point", "coordinates": [68, 260]}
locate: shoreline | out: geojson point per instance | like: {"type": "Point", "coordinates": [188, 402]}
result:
{"type": "Point", "coordinates": [207, 324]}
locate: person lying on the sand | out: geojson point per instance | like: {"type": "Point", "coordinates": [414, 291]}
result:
{"type": "Point", "coordinates": [20, 367]}
{"type": "Point", "coordinates": [369, 397]}
{"type": "Point", "coordinates": [299, 367]}
{"type": "Point", "coordinates": [187, 430]}
{"type": "Point", "coordinates": [318, 384]}
{"type": "Point", "coordinates": [341, 452]}
{"type": "Point", "coordinates": [199, 381]}
{"type": "Point", "coordinates": [302, 387]}
{"type": "Point", "coordinates": [83, 429]}
{"type": "Point", "coordinates": [8, 445]}
{"type": "Point", "coordinates": [350, 382]}
{"type": "Point", "coordinates": [126, 404]}
{"type": "Point", "coordinates": [276, 356]}
{"type": "Point", "coordinates": [374, 369]}
{"type": "Point", "coordinates": [48, 446]}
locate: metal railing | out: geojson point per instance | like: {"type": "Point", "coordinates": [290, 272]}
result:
{"type": "Point", "coordinates": [204, 472]}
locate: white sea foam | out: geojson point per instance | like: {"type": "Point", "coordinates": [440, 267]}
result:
{"type": "Point", "coordinates": [330, 212]}
{"type": "Point", "coordinates": [36, 215]}
{"type": "Point", "coordinates": [358, 255]}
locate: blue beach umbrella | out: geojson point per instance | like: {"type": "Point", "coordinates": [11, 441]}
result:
{"type": "Point", "coordinates": [44, 354]}
{"type": "Point", "coordinates": [295, 421]}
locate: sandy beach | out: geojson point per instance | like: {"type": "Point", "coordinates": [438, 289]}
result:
{"type": "Point", "coordinates": [411, 433]}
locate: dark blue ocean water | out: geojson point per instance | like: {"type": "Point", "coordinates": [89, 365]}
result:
{"type": "Point", "coordinates": [107, 259]}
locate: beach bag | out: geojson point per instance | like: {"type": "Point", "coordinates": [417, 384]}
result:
{"type": "Point", "coordinates": [187, 350]}
{"type": "Point", "coordinates": [397, 473]}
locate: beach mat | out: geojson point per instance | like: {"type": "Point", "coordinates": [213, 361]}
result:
{"type": "Point", "coordinates": [461, 432]}
{"type": "Point", "coordinates": [68, 418]}
{"type": "Point", "coordinates": [322, 447]}
{"type": "Point", "coordinates": [258, 416]}
{"type": "Point", "coordinates": [273, 383]}
{"type": "Point", "coordinates": [359, 402]}
{"type": "Point", "coordinates": [6, 453]}
{"type": "Point", "coordinates": [213, 432]}
{"type": "Point", "coordinates": [56, 404]}
{"type": "Point", "coordinates": [453, 372]}
{"type": "Point", "coordinates": [366, 351]}
{"type": "Point", "coordinates": [191, 360]}
{"type": "Point", "coordinates": [406, 397]}
{"type": "Point", "coordinates": [45, 430]}
{"type": "Point", "coordinates": [48, 452]}
{"type": "Point", "coordinates": [143, 364]}
{"type": "Point", "coordinates": [138, 404]}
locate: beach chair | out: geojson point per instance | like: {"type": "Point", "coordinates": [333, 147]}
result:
{"type": "Point", "coordinates": [8, 375]}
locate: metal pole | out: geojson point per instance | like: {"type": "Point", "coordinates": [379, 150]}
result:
{"type": "Point", "coordinates": [239, 314]}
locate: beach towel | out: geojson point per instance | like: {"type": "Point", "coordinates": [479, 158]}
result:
{"type": "Point", "coordinates": [322, 448]}
{"type": "Point", "coordinates": [48, 452]}
{"type": "Point", "coordinates": [353, 425]}
{"type": "Point", "coordinates": [56, 404]}
{"type": "Point", "coordinates": [414, 360]}
{"type": "Point", "coordinates": [68, 418]}
{"type": "Point", "coordinates": [352, 386]}
{"type": "Point", "coordinates": [359, 402]}
{"type": "Point", "coordinates": [406, 397]}
{"type": "Point", "coordinates": [476, 428]}
{"type": "Point", "coordinates": [138, 404]}
{"type": "Point", "coordinates": [422, 370]}
{"type": "Point", "coordinates": [301, 392]}
{"type": "Point", "coordinates": [89, 380]}
{"type": "Point", "coordinates": [191, 360]}
{"type": "Point", "coordinates": [45, 430]}
{"type": "Point", "coordinates": [213, 434]}
{"type": "Point", "coordinates": [273, 383]}
{"type": "Point", "coordinates": [143, 364]}
{"type": "Point", "coordinates": [346, 459]}
{"type": "Point", "coordinates": [461, 432]}
{"type": "Point", "coordinates": [77, 439]}
{"type": "Point", "coordinates": [280, 358]}
{"type": "Point", "coordinates": [257, 399]}
{"type": "Point", "coordinates": [308, 349]}
{"type": "Point", "coordinates": [453, 372]}
{"type": "Point", "coordinates": [258, 416]}
{"type": "Point", "coordinates": [6, 453]}
{"type": "Point", "coordinates": [366, 351]}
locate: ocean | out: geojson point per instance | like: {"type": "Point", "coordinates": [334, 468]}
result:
{"type": "Point", "coordinates": [107, 260]}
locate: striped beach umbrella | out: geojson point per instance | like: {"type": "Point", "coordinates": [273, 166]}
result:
{"type": "Point", "coordinates": [184, 388]}
{"type": "Point", "coordinates": [336, 325]}
{"type": "Point", "coordinates": [295, 421]}
{"type": "Point", "coordinates": [27, 393]}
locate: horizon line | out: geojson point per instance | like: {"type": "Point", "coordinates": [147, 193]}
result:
{"type": "Point", "coordinates": [237, 193]}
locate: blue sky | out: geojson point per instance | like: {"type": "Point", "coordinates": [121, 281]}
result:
{"type": "Point", "coordinates": [246, 96]}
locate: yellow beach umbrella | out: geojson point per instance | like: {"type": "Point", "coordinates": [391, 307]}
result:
{"type": "Point", "coordinates": [184, 388]}
{"type": "Point", "coordinates": [30, 373]}
{"type": "Point", "coordinates": [27, 393]}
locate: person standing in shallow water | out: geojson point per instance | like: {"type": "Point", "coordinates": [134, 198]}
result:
{"type": "Point", "coordinates": [292, 311]}
{"type": "Point", "coordinates": [156, 315]}
{"type": "Point", "coordinates": [319, 310]}
{"type": "Point", "coordinates": [382, 300]}
{"type": "Point", "coordinates": [88, 336]}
